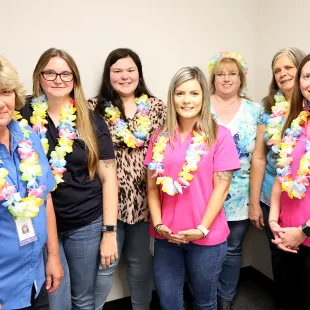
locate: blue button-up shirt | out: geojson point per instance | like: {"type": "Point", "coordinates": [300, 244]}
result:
{"type": "Point", "coordinates": [21, 267]}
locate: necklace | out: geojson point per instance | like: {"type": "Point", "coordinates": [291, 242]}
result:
{"type": "Point", "coordinates": [27, 207]}
{"type": "Point", "coordinates": [296, 188]}
{"type": "Point", "coordinates": [193, 157]}
{"type": "Point", "coordinates": [137, 138]}
{"type": "Point", "coordinates": [275, 123]}
{"type": "Point", "coordinates": [66, 133]}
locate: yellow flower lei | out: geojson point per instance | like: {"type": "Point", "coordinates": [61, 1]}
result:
{"type": "Point", "coordinates": [66, 132]}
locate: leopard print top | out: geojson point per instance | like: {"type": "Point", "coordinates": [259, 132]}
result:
{"type": "Point", "coordinates": [131, 171]}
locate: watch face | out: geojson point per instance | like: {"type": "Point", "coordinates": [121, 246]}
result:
{"type": "Point", "coordinates": [306, 230]}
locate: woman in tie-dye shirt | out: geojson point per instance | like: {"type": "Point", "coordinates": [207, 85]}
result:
{"type": "Point", "coordinates": [234, 110]}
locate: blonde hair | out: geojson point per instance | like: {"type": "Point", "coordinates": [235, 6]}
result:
{"type": "Point", "coordinates": [9, 80]}
{"type": "Point", "coordinates": [206, 124]}
{"type": "Point", "coordinates": [83, 123]}
{"type": "Point", "coordinates": [242, 76]}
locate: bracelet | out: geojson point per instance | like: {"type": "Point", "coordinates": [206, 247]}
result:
{"type": "Point", "coordinates": [109, 228]}
{"type": "Point", "coordinates": [156, 228]}
{"type": "Point", "coordinates": [273, 221]}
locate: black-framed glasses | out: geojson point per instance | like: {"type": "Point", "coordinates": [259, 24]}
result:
{"type": "Point", "coordinates": [52, 76]}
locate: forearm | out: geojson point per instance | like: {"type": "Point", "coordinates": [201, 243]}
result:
{"type": "Point", "coordinates": [52, 240]}
{"type": "Point", "coordinates": [275, 201]}
{"type": "Point", "coordinates": [110, 201]}
{"type": "Point", "coordinates": [257, 173]}
{"type": "Point", "coordinates": [154, 206]}
{"type": "Point", "coordinates": [214, 207]}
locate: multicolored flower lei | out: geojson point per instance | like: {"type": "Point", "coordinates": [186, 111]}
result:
{"type": "Point", "coordinates": [138, 138]}
{"type": "Point", "coordinates": [27, 207]}
{"type": "Point", "coordinates": [275, 123]}
{"type": "Point", "coordinates": [193, 157]}
{"type": "Point", "coordinates": [66, 133]}
{"type": "Point", "coordinates": [296, 188]}
{"type": "Point", "coordinates": [234, 55]}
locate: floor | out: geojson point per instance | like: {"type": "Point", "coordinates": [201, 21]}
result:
{"type": "Point", "coordinates": [252, 294]}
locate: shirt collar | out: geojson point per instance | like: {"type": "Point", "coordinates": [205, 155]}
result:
{"type": "Point", "coordinates": [15, 130]}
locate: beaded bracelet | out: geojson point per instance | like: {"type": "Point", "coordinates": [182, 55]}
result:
{"type": "Point", "coordinates": [156, 228]}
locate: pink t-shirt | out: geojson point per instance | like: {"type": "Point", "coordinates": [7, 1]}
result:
{"type": "Point", "coordinates": [294, 212]}
{"type": "Point", "coordinates": [182, 212]}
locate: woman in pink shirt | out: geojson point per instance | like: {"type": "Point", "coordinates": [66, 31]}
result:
{"type": "Point", "coordinates": [289, 217]}
{"type": "Point", "coordinates": [190, 162]}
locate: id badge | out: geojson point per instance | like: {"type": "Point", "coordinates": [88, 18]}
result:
{"type": "Point", "coordinates": [25, 231]}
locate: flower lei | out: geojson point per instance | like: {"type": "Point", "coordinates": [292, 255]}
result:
{"type": "Point", "coordinates": [193, 157]}
{"type": "Point", "coordinates": [296, 188]}
{"type": "Point", "coordinates": [66, 133]}
{"type": "Point", "coordinates": [234, 55]}
{"type": "Point", "coordinates": [138, 138]}
{"type": "Point", "coordinates": [274, 125]}
{"type": "Point", "coordinates": [27, 207]}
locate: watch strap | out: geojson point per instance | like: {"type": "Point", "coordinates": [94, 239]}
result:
{"type": "Point", "coordinates": [204, 230]}
{"type": "Point", "coordinates": [305, 229]}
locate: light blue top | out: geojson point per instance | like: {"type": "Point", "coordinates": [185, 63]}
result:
{"type": "Point", "coordinates": [243, 128]}
{"type": "Point", "coordinates": [21, 267]}
{"type": "Point", "coordinates": [270, 172]}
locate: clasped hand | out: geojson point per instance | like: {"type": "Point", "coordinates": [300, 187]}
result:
{"type": "Point", "coordinates": [182, 237]}
{"type": "Point", "coordinates": [287, 239]}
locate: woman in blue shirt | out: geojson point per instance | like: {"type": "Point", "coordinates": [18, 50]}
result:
{"type": "Point", "coordinates": [26, 208]}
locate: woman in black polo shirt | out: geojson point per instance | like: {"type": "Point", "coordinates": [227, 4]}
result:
{"type": "Point", "coordinates": [80, 151]}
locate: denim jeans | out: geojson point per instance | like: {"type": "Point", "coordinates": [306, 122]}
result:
{"type": "Point", "coordinates": [231, 268]}
{"type": "Point", "coordinates": [202, 264]}
{"type": "Point", "coordinates": [80, 258]}
{"type": "Point", "coordinates": [278, 270]}
{"type": "Point", "coordinates": [133, 240]}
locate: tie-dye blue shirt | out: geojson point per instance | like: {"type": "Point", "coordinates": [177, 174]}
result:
{"type": "Point", "coordinates": [243, 128]}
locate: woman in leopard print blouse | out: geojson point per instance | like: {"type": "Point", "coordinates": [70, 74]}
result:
{"type": "Point", "coordinates": [122, 83]}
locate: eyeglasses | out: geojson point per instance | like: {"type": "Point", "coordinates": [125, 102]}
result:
{"type": "Point", "coordinates": [52, 76]}
{"type": "Point", "coordinates": [231, 75]}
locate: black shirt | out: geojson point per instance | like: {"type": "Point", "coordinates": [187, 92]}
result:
{"type": "Point", "coordinates": [77, 201]}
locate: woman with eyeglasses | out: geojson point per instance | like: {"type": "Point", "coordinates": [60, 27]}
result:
{"type": "Point", "coordinates": [276, 104]}
{"type": "Point", "coordinates": [234, 110]}
{"type": "Point", "coordinates": [80, 152]}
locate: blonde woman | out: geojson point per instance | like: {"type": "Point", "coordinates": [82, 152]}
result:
{"type": "Point", "coordinates": [26, 175]}
{"type": "Point", "coordinates": [80, 151]}
{"type": "Point", "coordinates": [192, 159]}
{"type": "Point", "coordinates": [232, 109]}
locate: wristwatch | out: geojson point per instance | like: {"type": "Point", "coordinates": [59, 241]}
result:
{"type": "Point", "coordinates": [204, 230]}
{"type": "Point", "coordinates": [306, 229]}
{"type": "Point", "coordinates": [109, 228]}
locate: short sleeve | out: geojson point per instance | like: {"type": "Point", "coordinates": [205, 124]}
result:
{"type": "Point", "coordinates": [149, 152]}
{"type": "Point", "coordinates": [105, 144]}
{"type": "Point", "coordinates": [225, 153]}
{"type": "Point", "coordinates": [263, 117]}
{"type": "Point", "coordinates": [47, 177]}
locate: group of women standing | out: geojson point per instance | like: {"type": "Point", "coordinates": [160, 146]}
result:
{"type": "Point", "coordinates": [123, 166]}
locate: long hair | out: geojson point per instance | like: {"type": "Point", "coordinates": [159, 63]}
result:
{"type": "Point", "coordinates": [9, 80]}
{"type": "Point", "coordinates": [107, 92]}
{"type": "Point", "coordinates": [296, 56]}
{"type": "Point", "coordinates": [297, 97]}
{"type": "Point", "coordinates": [83, 123]}
{"type": "Point", "coordinates": [241, 75]}
{"type": "Point", "coordinates": [206, 124]}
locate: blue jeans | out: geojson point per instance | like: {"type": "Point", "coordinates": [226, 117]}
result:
{"type": "Point", "coordinates": [134, 241]}
{"type": "Point", "coordinates": [80, 258]}
{"type": "Point", "coordinates": [202, 264]}
{"type": "Point", "coordinates": [231, 268]}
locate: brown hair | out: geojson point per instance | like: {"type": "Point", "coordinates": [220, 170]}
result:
{"type": "Point", "coordinates": [241, 75]}
{"type": "Point", "coordinates": [83, 123]}
{"type": "Point", "coordinates": [296, 105]}
{"type": "Point", "coordinates": [296, 56]}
